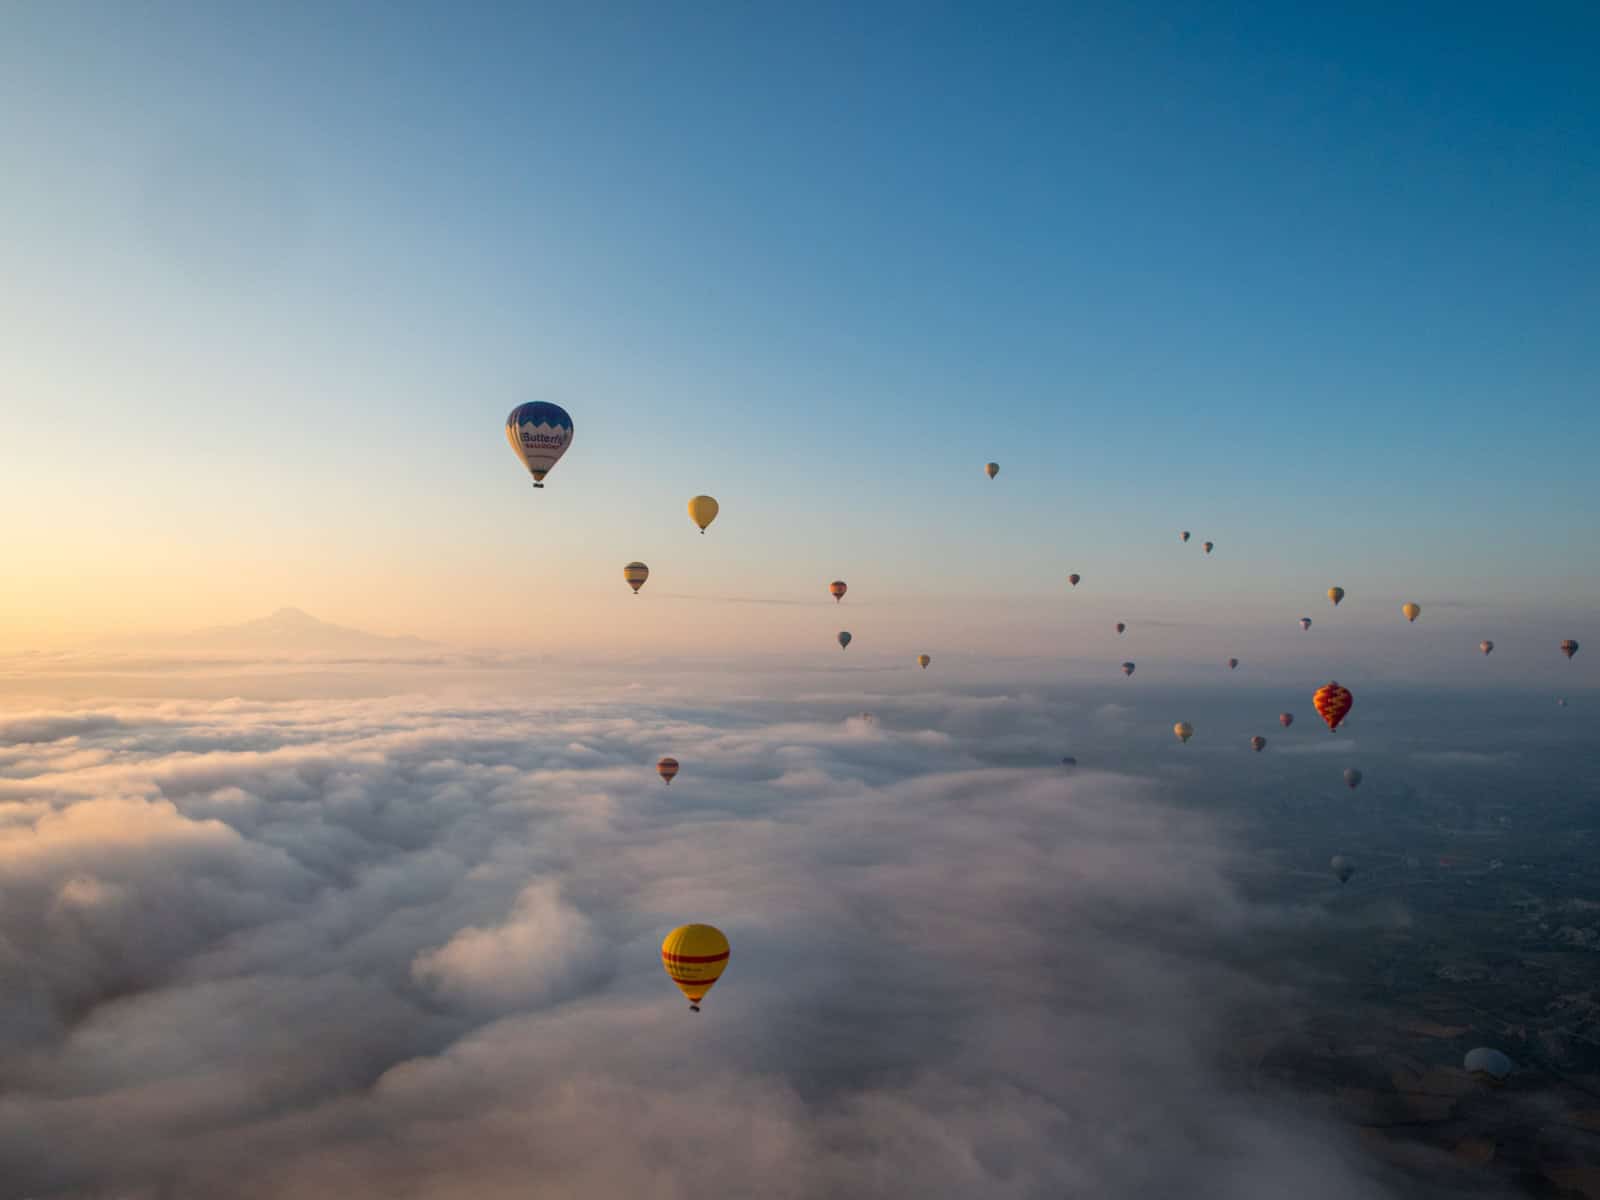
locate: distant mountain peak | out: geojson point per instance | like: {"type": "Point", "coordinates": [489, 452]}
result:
{"type": "Point", "coordinates": [294, 630]}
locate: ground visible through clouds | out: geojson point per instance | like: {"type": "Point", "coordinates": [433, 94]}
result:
{"type": "Point", "coordinates": [392, 930]}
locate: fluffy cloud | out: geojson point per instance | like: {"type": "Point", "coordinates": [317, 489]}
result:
{"type": "Point", "coordinates": [408, 947]}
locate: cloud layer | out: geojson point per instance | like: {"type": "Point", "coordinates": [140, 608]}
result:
{"type": "Point", "coordinates": [408, 947]}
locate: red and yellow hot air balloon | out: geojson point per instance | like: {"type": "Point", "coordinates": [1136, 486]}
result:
{"type": "Point", "coordinates": [694, 957]}
{"type": "Point", "coordinates": [667, 768]}
{"type": "Point", "coordinates": [1336, 594]}
{"type": "Point", "coordinates": [837, 589]}
{"type": "Point", "coordinates": [1332, 703]}
{"type": "Point", "coordinates": [923, 660]}
{"type": "Point", "coordinates": [635, 573]}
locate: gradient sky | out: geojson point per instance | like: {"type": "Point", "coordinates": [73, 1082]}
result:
{"type": "Point", "coordinates": [1321, 288]}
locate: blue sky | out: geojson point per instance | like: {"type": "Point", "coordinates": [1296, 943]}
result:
{"type": "Point", "coordinates": [1320, 288]}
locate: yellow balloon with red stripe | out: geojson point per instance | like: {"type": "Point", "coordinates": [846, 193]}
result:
{"type": "Point", "coordinates": [695, 957]}
{"type": "Point", "coordinates": [635, 573]}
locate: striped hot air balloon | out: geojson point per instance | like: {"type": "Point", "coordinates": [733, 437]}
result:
{"type": "Point", "coordinates": [694, 957]}
{"type": "Point", "coordinates": [1332, 703]}
{"type": "Point", "coordinates": [837, 589]}
{"type": "Point", "coordinates": [635, 573]}
{"type": "Point", "coordinates": [667, 768]}
{"type": "Point", "coordinates": [539, 434]}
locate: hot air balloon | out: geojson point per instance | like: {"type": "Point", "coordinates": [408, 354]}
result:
{"type": "Point", "coordinates": [923, 660]}
{"type": "Point", "coordinates": [1352, 778]}
{"type": "Point", "coordinates": [667, 768]}
{"type": "Point", "coordinates": [539, 435]}
{"type": "Point", "coordinates": [1486, 646]}
{"type": "Point", "coordinates": [1184, 730]}
{"type": "Point", "coordinates": [1336, 594]}
{"type": "Point", "coordinates": [1233, 664]}
{"type": "Point", "coordinates": [635, 573]}
{"type": "Point", "coordinates": [1127, 668]}
{"type": "Point", "coordinates": [1411, 611]}
{"type": "Point", "coordinates": [1332, 702]}
{"type": "Point", "coordinates": [1488, 1065]}
{"type": "Point", "coordinates": [844, 639]}
{"type": "Point", "coordinates": [1305, 622]}
{"type": "Point", "coordinates": [1207, 546]}
{"type": "Point", "coordinates": [1286, 719]}
{"type": "Point", "coordinates": [1184, 536]}
{"type": "Point", "coordinates": [1343, 868]}
{"type": "Point", "coordinates": [1569, 648]}
{"type": "Point", "coordinates": [1121, 629]}
{"type": "Point", "coordinates": [1258, 743]}
{"type": "Point", "coordinates": [1073, 579]}
{"type": "Point", "coordinates": [1069, 761]}
{"type": "Point", "coordinates": [991, 469]}
{"type": "Point", "coordinates": [702, 511]}
{"type": "Point", "coordinates": [694, 957]}
{"type": "Point", "coordinates": [837, 589]}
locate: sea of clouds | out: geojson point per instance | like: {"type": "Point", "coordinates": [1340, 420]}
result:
{"type": "Point", "coordinates": [406, 945]}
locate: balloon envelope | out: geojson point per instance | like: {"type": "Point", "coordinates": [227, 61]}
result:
{"type": "Point", "coordinates": [991, 469]}
{"type": "Point", "coordinates": [1569, 648]}
{"type": "Point", "coordinates": [1073, 579]}
{"type": "Point", "coordinates": [1233, 664]}
{"type": "Point", "coordinates": [667, 768]}
{"type": "Point", "coordinates": [1305, 622]}
{"type": "Point", "coordinates": [1487, 1064]}
{"type": "Point", "coordinates": [1207, 547]}
{"type": "Point", "coordinates": [1184, 731]}
{"type": "Point", "coordinates": [1184, 536]}
{"type": "Point", "coordinates": [1258, 743]}
{"type": "Point", "coordinates": [702, 511]}
{"type": "Point", "coordinates": [1343, 868]}
{"type": "Point", "coordinates": [1486, 646]}
{"type": "Point", "coordinates": [923, 660]}
{"type": "Point", "coordinates": [1336, 594]}
{"type": "Point", "coordinates": [539, 434]}
{"type": "Point", "coordinates": [844, 639]}
{"type": "Point", "coordinates": [1352, 777]}
{"type": "Point", "coordinates": [694, 957]}
{"type": "Point", "coordinates": [837, 589]}
{"type": "Point", "coordinates": [635, 573]}
{"type": "Point", "coordinates": [1411, 611]}
{"type": "Point", "coordinates": [1286, 719]}
{"type": "Point", "coordinates": [1121, 628]}
{"type": "Point", "coordinates": [1332, 702]}
{"type": "Point", "coordinates": [1127, 668]}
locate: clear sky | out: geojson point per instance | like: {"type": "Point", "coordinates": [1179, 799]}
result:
{"type": "Point", "coordinates": [1320, 287]}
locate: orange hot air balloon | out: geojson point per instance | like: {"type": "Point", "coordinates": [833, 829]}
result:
{"type": "Point", "coordinates": [667, 768]}
{"type": "Point", "coordinates": [695, 957]}
{"type": "Point", "coordinates": [1411, 611]}
{"type": "Point", "coordinates": [837, 589]}
{"type": "Point", "coordinates": [1332, 703]}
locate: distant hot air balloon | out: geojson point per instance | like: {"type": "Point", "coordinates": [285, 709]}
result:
{"type": "Point", "coordinates": [1332, 703]}
{"type": "Point", "coordinates": [1233, 664]}
{"type": "Point", "coordinates": [1286, 719]}
{"type": "Point", "coordinates": [1411, 611]}
{"type": "Point", "coordinates": [667, 768]}
{"type": "Point", "coordinates": [923, 660]}
{"type": "Point", "coordinates": [1352, 778]}
{"type": "Point", "coordinates": [1184, 730]}
{"type": "Point", "coordinates": [635, 573]}
{"type": "Point", "coordinates": [695, 957]}
{"type": "Point", "coordinates": [1343, 868]}
{"type": "Point", "coordinates": [1562, 701]}
{"type": "Point", "coordinates": [1184, 536]}
{"type": "Point", "coordinates": [991, 469]}
{"type": "Point", "coordinates": [1258, 743]}
{"type": "Point", "coordinates": [844, 639]}
{"type": "Point", "coordinates": [1207, 546]}
{"type": "Point", "coordinates": [1069, 761]}
{"type": "Point", "coordinates": [1486, 646]}
{"type": "Point", "coordinates": [1127, 668]}
{"type": "Point", "coordinates": [1305, 622]}
{"type": "Point", "coordinates": [702, 511]}
{"type": "Point", "coordinates": [837, 590]}
{"type": "Point", "coordinates": [1569, 648]}
{"type": "Point", "coordinates": [1073, 579]}
{"type": "Point", "coordinates": [1486, 1064]}
{"type": "Point", "coordinates": [1336, 594]}
{"type": "Point", "coordinates": [539, 434]}
{"type": "Point", "coordinates": [1121, 629]}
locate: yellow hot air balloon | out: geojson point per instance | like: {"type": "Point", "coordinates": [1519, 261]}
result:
{"type": "Point", "coordinates": [635, 573]}
{"type": "Point", "coordinates": [1184, 730]}
{"type": "Point", "coordinates": [1336, 594]}
{"type": "Point", "coordinates": [694, 957]}
{"type": "Point", "coordinates": [1412, 611]}
{"type": "Point", "coordinates": [923, 660]}
{"type": "Point", "coordinates": [702, 511]}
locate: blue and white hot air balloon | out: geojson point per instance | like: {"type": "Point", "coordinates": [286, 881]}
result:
{"type": "Point", "coordinates": [539, 434]}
